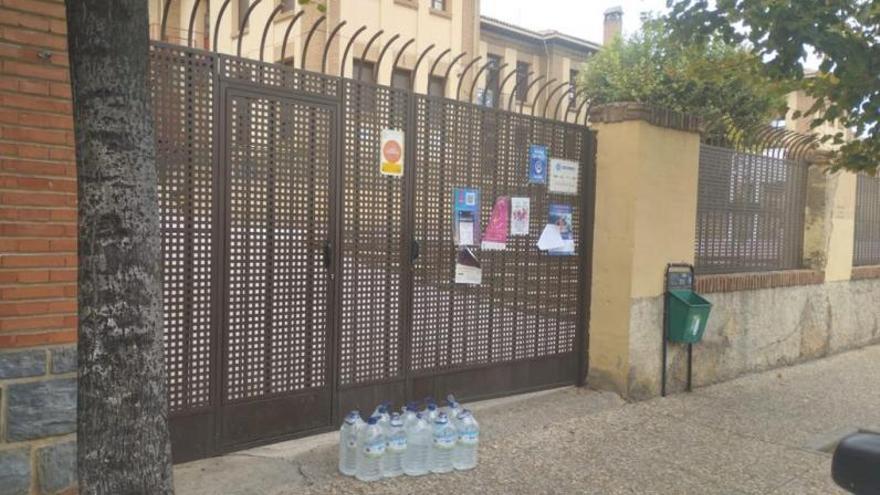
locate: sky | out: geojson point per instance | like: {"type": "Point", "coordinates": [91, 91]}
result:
{"type": "Point", "coordinates": [581, 18]}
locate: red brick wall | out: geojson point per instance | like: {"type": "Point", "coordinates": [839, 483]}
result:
{"type": "Point", "coordinates": [37, 177]}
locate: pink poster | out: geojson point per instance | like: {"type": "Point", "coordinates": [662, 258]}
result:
{"type": "Point", "coordinates": [495, 236]}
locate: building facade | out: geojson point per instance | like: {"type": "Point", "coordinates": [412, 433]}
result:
{"type": "Point", "coordinates": [537, 68]}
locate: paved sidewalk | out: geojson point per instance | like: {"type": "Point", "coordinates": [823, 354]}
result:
{"type": "Point", "coordinates": [761, 434]}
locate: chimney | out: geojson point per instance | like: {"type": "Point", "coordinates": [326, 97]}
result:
{"type": "Point", "coordinates": [613, 24]}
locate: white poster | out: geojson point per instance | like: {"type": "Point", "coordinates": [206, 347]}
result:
{"type": "Point", "coordinates": [563, 176]}
{"type": "Point", "coordinates": [519, 216]}
{"type": "Point", "coordinates": [468, 270]}
{"type": "Point", "coordinates": [391, 159]}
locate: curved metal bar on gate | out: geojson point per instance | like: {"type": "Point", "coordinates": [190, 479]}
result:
{"type": "Point", "coordinates": [287, 34]}
{"type": "Point", "coordinates": [807, 143]}
{"type": "Point", "coordinates": [501, 86]}
{"type": "Point", "coordinates": [247, 15]}
{"type": "Point", "coordinates": [538, 94]}
{"type": "Point", "coordinates": [302, 64]}
{"type": "Point", "coordinates": [348, 48]}
{"type": "Point", "coordinates": [367, 50]}
{"type": "Point", "coordinates": [165, 9]}
{"type": "Point", "coordinates": [461, 76]}
{"type": "Point", "coordinates": [528, 89]}
{"type": "Point", "coordinates": [435, 64]}
{"type": "Point", "coordinates": [382, 55]}
{"type": "Point", "coordinates": [400, 54]}
{"type": "Point", "coordinates": [217, 23]}
{"type": "Point", "coordinates": [513, 91]}
{"type": "Point", "coordinates": [449, 69]}
{"type": "Point", "coordinates": [328, 43]}
{"type": "Point", "coordinates": [585, 104]}
{"type": "Point", "coordinates": [415, 71]}
{"type": "Point", "coordinates": [477, 78]}
{"type": "Point", "coordinates": [192, 22]}
{"type": "Point", "coordinates": [569, 91]}
{"type": "Point", "coordinates": [550, 97]}
{"type": "Point", "coordinates": [266, 28]}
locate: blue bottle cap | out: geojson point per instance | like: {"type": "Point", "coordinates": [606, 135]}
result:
{"type": "Point", "coordinates": [441, 419]}
{"type": "Point", "coordinates": [373, 420]}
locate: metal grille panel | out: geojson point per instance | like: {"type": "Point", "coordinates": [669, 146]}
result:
{"type": "Point", "coordinates": [526, 307]}
{"type": "Point", "coordinates": [278, 221]}
{"type": "Point", "coordinates": [183, 97]}
{"type": "Point", "coordinates": [372, 216]}
{"type": "Point", "coordinates": [750, 212]}
{"type": "Point", "coordinates": [867, 235]}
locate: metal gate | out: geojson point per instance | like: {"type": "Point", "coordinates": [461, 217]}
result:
{"type": "Point", "coordinates": [301, 283]}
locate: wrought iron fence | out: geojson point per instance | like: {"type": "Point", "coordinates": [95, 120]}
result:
{"type": "Point", "coordinates": [867, 231]}
{"type": "Point", "coordinates": [750, 211]}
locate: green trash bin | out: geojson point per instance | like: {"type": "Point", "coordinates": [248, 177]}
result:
{"type": "Point", "coordinates": [686, 316]}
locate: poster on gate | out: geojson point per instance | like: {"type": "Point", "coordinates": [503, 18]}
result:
{"type": "Point", "coordinates": [537, 164]}
{"type": "Point", "coordinates": [563, 176]}
{"type": "Point", "coordinates": [519, 216]}
{"type": "Point", "coordinates": [391, 151]}
{"type": "Point", "coordinates": [495, 236]}
{"type": "Point", "coordinates": [561, 218]}
{"type": "Point", "coordinates": [466, 216]}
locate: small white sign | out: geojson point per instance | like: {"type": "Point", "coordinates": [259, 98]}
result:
{"type": "Point", "coordinates": [519, 216]}
{"type": "Point", "coordinates": [563, 176]}
{"type": "Point", "coordinates": [391, 153]}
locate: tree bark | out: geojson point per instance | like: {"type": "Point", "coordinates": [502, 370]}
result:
{"type": "Point", "coordinates": [123, 441]}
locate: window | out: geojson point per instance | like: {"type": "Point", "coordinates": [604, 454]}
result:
{"type": "Point", "coordinates": [400, 79]}
{"type": "Point", "coordinates": [522, 81]}
{"type": "Point", "coordinates": [363, 71]}
{"type": "Point", "coordinates": [493, 79]}
{"type": "Point", "coordinates": [572, 81]}
{"type": "Point", "coordinates": [242, 10]}
{"type": "Point", "coordinates": [287, 5]}
{"type": "Point", "coordinates": [867, 231]}
{"type": "Point", "coordinates": [438, 4]}
{"type": "Point", "coordinates": [437, 86]}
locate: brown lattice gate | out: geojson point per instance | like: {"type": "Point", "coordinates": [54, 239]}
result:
{"type": "Point", "coordinates": [301, 283]}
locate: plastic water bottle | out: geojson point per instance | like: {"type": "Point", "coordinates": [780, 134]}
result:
{"type": "Point", "coordinates": [445, 438]}
{"type": "Point", "coordinates": [371, 448]}
{"type": "Point", "coordinates": [410, 416]}
{"type": "Point", "coordinates": [392, 463]}
{"type": "Point", "coordinates": [465, 454]}
{"type": "Point", "coordinates": [384, 416]}
{"type": "Point", "coordinates": [453, 409]}
{"type": "Point", "coordinates": [348, 436]}
{"type": "Point", "coordinates": [430, 412]}
{"type": "Point", "coordinates": [419, 438]}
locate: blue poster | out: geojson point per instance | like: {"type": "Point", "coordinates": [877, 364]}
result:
{"type": "Point", "coordinates": [466, 216]}
{"type": "Point", "coordinates": [560, 216]}
{"type": "Point", "coordinates": [537, 164]}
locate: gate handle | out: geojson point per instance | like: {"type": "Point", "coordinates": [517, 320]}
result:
{"type": "Point", "coordinates": [328, 254]}
{"type": "Point", "coordinates": [416, 250]}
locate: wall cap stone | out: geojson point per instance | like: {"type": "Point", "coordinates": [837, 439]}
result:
{"type": "Point", "coordinates": [865, 272]}
{"type": "Point", "coordinates": [735, 282]}
{"type": "Point", "coordinates": [661, 117]}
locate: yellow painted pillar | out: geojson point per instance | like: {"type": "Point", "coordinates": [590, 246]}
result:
{"type": "Point", "coordinates": [646, 201]}
{"type": "Point", "coordinates": [829, 226]}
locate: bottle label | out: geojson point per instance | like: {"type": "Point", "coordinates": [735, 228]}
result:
{"type": "Point", "coordinates": [375, 448]}
{"type": "Point", "coordinates": [397, 444]}
{"type": "Point", "coordinates": [445, 441]}
{"type": "Point", "coordinates": [469, 438]}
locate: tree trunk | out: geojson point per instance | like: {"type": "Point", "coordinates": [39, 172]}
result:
{"type": "Point", "coordinates": [123, 442]}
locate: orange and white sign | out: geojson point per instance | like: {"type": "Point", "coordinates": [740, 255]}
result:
{"type": "Point", "coordinates": [392, 153]}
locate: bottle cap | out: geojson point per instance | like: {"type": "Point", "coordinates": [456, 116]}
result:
{"type": "Point", "coordinates": [373, 420]}
{"type": "Point", "coordinates": [441, 418]}
{"type": "Point", "coordinates": [432, 406]}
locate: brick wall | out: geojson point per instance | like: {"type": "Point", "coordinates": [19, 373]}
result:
{"type": "Point", "coordinates": [37, 251]}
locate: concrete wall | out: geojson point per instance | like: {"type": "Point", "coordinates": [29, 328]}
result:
{"type": "Point", "coordinates": [647, 165]}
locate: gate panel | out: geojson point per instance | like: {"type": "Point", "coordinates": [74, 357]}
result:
{"type": "Point", "coordinates": [371, 364]}
{"type": "Point", "coordinates": [183, 99]}
{"type": "Point", "coordinates": [517, 330]}
{"type": "Point", "coordinates": [279, 155]}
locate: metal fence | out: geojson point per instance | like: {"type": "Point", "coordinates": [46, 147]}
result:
{"type": "Point", "coordinates": [301, 283]}
{"type": "Point", "coordinates": [750, 211]}
{"type": "Point", "coordinates": [867, 231]}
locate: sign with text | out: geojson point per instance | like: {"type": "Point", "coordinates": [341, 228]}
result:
{"type": "Point", "coordinates": [537, 164]}
{"type": "Point", "coordinates": [392, 153]}
{"type": "Point", "coordinates": [563, 176]}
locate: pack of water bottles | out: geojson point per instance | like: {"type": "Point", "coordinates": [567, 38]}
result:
{"type": "Point", "coordinates": [413, 442]}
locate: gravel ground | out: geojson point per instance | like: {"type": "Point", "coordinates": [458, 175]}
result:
{"type": "Point", "coordinates": [756, 435]}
